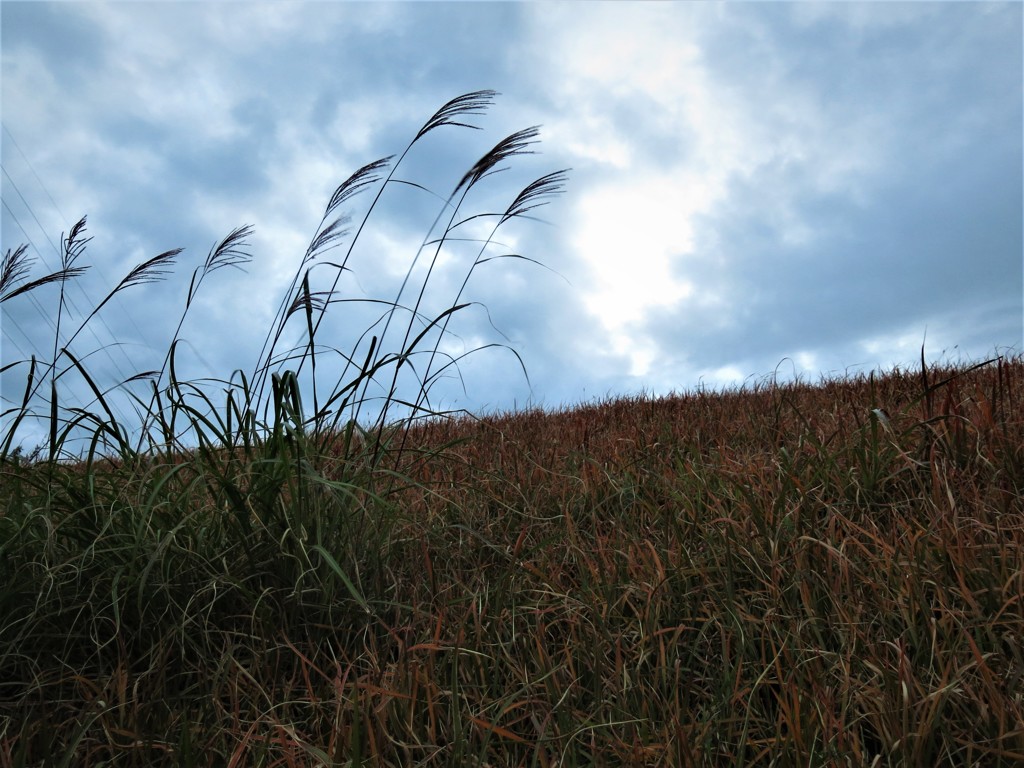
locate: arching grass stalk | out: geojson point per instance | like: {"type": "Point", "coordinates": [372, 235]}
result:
{"type": "Point", "coordinates": [534, 195]}
{"type": "Point", "coordinates": [515, 144]}
{"type": "Point", "coordinates": [329, 234]}
{"type": "Point", "coordinates": [229, 252]}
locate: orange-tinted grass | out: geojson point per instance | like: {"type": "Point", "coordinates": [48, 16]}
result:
{"type": "Point", "coordinates": [767, 575]}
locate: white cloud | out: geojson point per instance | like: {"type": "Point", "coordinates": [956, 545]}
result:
{"type": "Point", "coordinates": [684, 130]}
{"type": "Point", "coordinates": [630, 234]}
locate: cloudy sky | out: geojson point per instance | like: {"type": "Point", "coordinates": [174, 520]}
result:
{"type": "Point", "coordinates": [789, 188]}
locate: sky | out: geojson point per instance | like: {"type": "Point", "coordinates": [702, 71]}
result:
{"type": "Point", "coordinates": [754, 190]}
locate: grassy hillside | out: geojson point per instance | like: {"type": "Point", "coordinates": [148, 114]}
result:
{"type": "Point", "coordinates": [787, 574]}
{"type": "Point", "coordinates": [767, 576]}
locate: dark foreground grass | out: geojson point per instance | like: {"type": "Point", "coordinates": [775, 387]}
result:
{"type": "Point", "coordinates": [766, 576]}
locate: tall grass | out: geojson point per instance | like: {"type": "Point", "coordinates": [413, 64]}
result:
{"type": "Point", "coordinates": [783, 574]}
{"type": "Point", "coordinates": [171, 541]}
{"type": "Point", "coordinates": [266, 399]}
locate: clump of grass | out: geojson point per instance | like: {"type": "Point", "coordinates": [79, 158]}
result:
{"type": "Point", "coordinates": [229, 530]}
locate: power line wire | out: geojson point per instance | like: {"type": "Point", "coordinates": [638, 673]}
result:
{"type": "Point", "coordinates": [47, 317]}
{"type": "Point", "coordinates": [99, 270]}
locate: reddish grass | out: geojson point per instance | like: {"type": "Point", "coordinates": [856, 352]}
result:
{"type": "Point", "coordinates": [762, 576]}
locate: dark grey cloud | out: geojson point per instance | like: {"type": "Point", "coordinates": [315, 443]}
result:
{"type": "Point", "coordinates": [47, 30]}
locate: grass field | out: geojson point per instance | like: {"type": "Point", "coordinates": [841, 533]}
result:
{"type": "Point", "coordinates": [767, 576]}
{"type": "Point", "coordinates": [791, 573]}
